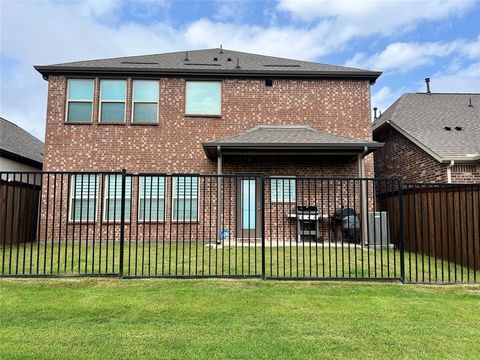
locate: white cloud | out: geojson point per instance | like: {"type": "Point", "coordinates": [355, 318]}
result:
{"type": "Point", "coordinates": [45, 32]}
{"type": "Point", "coordinates": [371, 16]}
{"type": "Point", "coordinates": [404, 56]}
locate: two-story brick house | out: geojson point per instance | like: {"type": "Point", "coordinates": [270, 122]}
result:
{"type": "Point", "coordinates": [204, 112]}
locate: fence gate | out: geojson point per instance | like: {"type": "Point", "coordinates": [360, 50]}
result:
{"type": "Point", "coordinates": [243, 225]}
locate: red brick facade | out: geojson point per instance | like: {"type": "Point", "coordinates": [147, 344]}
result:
{"type": "Point", "coordinates": [401, 157]}
{"type": "Point", "coordinates": [174, 145]}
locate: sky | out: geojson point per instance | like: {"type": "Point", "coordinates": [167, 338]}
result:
{"type": "Point", "coordinates": [407, 40]}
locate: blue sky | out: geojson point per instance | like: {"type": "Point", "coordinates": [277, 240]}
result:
{"type": "Point", "coordinates": [408, 40]}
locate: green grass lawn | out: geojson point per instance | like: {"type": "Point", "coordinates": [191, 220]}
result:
{"type": "Point", "coordinates": [171, 259]}
{"type": "Point", "coordinates": [233, 319]}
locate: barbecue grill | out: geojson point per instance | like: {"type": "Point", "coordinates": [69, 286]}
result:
{"type": "Point", "coordinates": [346, 222]}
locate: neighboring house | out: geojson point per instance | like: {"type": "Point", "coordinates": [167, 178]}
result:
{"type": "Point", "coordinates": [208, 111]}
{"type": "Point", "coordinates": [430, 137]}
{"type": "Point", "coordinates": [21, 157]}
{"type": "Point", "coordinates": [19, 150]}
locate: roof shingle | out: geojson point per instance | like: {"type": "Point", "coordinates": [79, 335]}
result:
{"type": "Point", "coordinates": [423, 118]}
{"type": "Point", "coordinates": [291, 137]}
{"type": "Point", "coordinates": [210, 61]}
{"type": "Point", "coordinates": [17, 141]}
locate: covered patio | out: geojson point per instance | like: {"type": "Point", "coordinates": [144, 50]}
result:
{"type": "Point", "coordinates": [302, 165]}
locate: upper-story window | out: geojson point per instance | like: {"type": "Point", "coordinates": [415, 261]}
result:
{"type": "Point", "coordinates": [79, 100]}
{"type": "Point", "coordinates": [203, 98]}
{"type": "Point", "coordinates": [145, 101]}
{"type": "Point", "coordinates": [112, 101]}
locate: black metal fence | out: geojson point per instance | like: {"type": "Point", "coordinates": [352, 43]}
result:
{"type": "Point", "coordinates": [247, 225]}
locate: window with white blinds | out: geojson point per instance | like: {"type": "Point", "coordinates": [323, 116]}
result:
{"type": "Point", "coordinates": [151, 198]}
{"type": "Point", "coordinates": [185, 198]}
{"type": "Point", "coordinates": [79, 100]}
{"type": "Point", "coordinates": [83, 197]}
{"type": "Point", "coordinates": [283, 189]}
{"type": "Point", "coordinates": [145, 101]}
{"type": "Point", "coordinates": [112, 100]}
{"type": "Point", "coordinates": [112, 207]}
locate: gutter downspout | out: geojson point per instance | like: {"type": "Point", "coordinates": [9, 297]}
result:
{"type": "Point", "coordinates": [363, 196]}
{"type": "Point", "coordinates": [219, 194]}
{"type": "Point", "coordinates": [449, 171]}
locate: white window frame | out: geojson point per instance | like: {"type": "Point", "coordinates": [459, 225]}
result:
{"type": "Point", "coordinates": [187, 196]}
{"type": "Point", "coordinates": [203, 81]}
{"type": "Point", "coordinates": [145, 102]}
{"type": "Point", "coordinates": [147, 196]}
{"type": "Point", "coordinates": [282, 199]}
{"type": "Point", "coordinates": [83, 196]}
{"type": "Point", "coordinates": [69, 100]}
{"type": "Point", "coordinates": [118, 195]}
{"type": "Point", "coordinates": [112, 101]}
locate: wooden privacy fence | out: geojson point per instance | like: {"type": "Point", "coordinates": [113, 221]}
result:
{"type": "Point", "coordinates": [440, 221]}
{"type": "Point", "coordinates": [19, 203]}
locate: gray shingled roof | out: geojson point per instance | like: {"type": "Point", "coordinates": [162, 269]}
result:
{"type": "Point", "coordinates": [16, 141]}
{"type": "Point", "coordinates": [290, 137]}
{"type": "Point", "coordinates": [203, 61]}
{"type": "Point", "coordinates": [422, 118]}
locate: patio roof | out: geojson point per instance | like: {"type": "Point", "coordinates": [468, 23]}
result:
{"type": "Point", "coordinates": [288, 140]}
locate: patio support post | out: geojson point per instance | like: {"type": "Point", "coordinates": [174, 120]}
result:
{"type": "Point", "coordinates": [363, 197]}
{"type": "Point", "coordinates": [219, 194]}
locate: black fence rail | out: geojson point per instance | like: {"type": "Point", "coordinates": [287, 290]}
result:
{"type": "Point", "coordinates": [331, 228]}
{"type": "Point", "coordinates": [248, 225]}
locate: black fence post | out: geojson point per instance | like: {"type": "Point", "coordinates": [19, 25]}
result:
{"type": "Point", "coordinates": [263, 227]}
{"type": "Point", "coordinates": [122, 222]}
{"type": "Point", "coordinates": [401, 239]}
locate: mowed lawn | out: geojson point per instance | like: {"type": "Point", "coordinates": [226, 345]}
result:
{"type": "Point", "coordinates": [93, 318]}
{"type": "Point", "coordinates": [189, 259]}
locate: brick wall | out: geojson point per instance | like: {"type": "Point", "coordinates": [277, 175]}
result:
{"type": "Point", "coordinates": [466, 174]}
{"type": "Point", "coordinates": [401, 157]}
{"type": "Point", "coordinates": [174, 145]}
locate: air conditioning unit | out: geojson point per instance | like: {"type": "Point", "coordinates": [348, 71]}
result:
{"type": "Point", "coordinates": [378, 229]}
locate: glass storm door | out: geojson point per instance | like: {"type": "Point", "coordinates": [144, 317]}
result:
{"type": "Point", "coordinates": [249, 207]}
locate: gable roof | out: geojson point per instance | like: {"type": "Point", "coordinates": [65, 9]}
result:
{"type": "Point", "coordinates": [422, 118]}
{"type": "Point", "coordinates": [289, 137]}
{"type": "Point", "coordinates": [203, 62]}
{"type": "Point", "coordinates": [19, 145]}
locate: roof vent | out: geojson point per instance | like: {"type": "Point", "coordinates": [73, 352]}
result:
{"type": "Point", "coordinates": [470, 102]}
{"type": "Point", "coordinates": [448, 128]}
{"type": "Point", "coordinates": [229, 59]}
{"type": "Point", "coordinates": [215, 59]}
{"type": "Point", "coordinates": [458, 128]}
{"type": "Point", "coordinates": [427, 82]}
{"type": "Point", "coordinates": [238, 64]}
{"type": "Point", "coordinates": [221, 49]}
{"type": "Point", "coordinates": [186, 56]}
{"type": "Point", "coordinates": [374, 113]}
